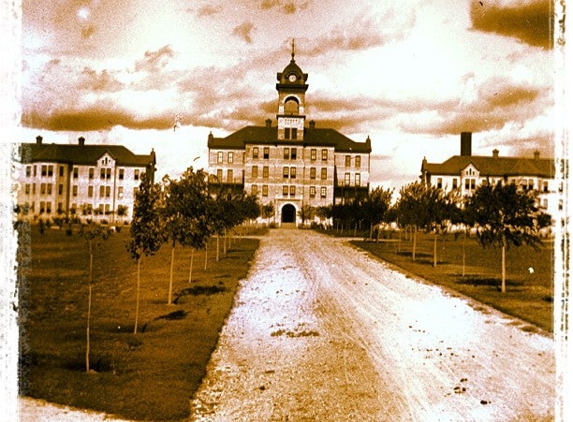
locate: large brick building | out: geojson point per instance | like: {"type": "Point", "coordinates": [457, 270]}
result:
{"type": "Point", "coordinates": [92, 181]}
{"type": "Point", "coordinates": [290, 163]}
{"type": "Point", "coordinates": [466, 172]}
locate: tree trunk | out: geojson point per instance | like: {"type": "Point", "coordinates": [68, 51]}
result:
{"type": "Point", "coordinates": [503, 250]}
{"type": "Point", "coordinates": [435, 249]}
{"type": "Point", "coordinates": [170, 291]}
{"type": "Point", "coordinates": [464, 254]}
{"type": "Point", "coordinates": [217, 254]}
{"type": "Point", "coordinates": [89, 307]}
{"type": "Point", "coordinates": [137, 296]}
{"type": "Point", "coordinates": [206, 255]}
{"type": "Point", "coordinates": [191, 266]}
{"type": "Point", "coordinates": [414, 232]}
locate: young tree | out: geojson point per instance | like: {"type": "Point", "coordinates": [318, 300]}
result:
{"type": "Point", "coordinates": [267, 211]}
{"type": "Point", "coordinates": [306, 213]}
{"type": "Point", "coordinates": [146, 230]}
{"type": "Point", "coordinates": [375, 207]}
{"type": "Point", "coordinates": [505, 215]}
{"type": "Point", "coordinates": [90, 233]}
{"type": "Point", "coordinates": [412, 209]}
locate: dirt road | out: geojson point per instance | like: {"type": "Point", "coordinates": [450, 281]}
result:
{"type": "Point", "coordinates": [323, 332]}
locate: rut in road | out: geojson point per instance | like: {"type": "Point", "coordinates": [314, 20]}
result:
{"type": "Point", "coordinates": [321, 331]}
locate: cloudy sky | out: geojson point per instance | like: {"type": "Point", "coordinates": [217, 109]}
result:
{"type": "Point", "coordinates": [410, 74]}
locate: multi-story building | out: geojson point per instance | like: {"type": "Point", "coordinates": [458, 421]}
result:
{"type": "Point", "coordinates": [94, 181]}
{"type": "Point", "coordinates": [465, 172]}
{"type": "Point", "coordinates": [291, 164]}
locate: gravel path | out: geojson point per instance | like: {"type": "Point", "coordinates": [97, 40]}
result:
{"type": "Point", "coordinates": [323, 332]}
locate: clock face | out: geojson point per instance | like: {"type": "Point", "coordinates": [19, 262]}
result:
{"type": "Point", "coordinates": [292, 78]}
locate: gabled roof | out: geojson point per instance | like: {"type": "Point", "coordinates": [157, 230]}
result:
{"type": "Point", "coordinates": [493, 166]}
{"type": "Point", "coordinates": [269, 135]}
{"type": "Point", "coordinates": [82, 154]}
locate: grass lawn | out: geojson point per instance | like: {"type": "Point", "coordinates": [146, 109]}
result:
{"type": "Point", "coordinates": [529, 280]}
{"type": "Point", "coordinates": [149, 375]}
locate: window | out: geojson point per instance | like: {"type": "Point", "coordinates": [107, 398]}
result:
{"type": "Point", "coordinates": [60, 207]}
{"type": "Point", "coordinates": [101, 191]}
{"type": "Point", "coordinates": [50, 171]}
{"type": "Point", "coordinates": [323, 192]}
{"type": "Point", "coordinates": [48, 207]}
{"type": "Point", "coordinates": [439, 183]}
{"type": "Point", "coordinates": [75, 190]}
{"type": "Point", "coordinates": [473, 184]}
{"type": "Point", "coordinates": [313, 172]}
{"type": "Point", "coordinates": [220, 175]}
{"type": "Point", "coordinates": [346, 179]}
{"type": "Point", "coordinates": [265, 190]}
{"type": "Point", "coordinates": [265, 172]}
{"type": "Point", "coordinates": [27, 189]}
{"type": "Point", "coordinates": [61, 171]}
{"type": "Point", "coordinates": [135, 190]}
{"type": "Point", "coordinates": [313, 154]}
{"type": "Point", "coordinates": [49, 186]}
{"type": "Point", "coordinates": [286, 154]}
{"type": "Point", "coordinates": [91, 173]}
{"type": "Point", "coordinates": [33, 188]}
{"type": "Point", "coordinates": [470, 184]}
{"type": "Point", "coordinates": [455, 183]}
{"type": "Point", "coordinates": [220, 157]}
{"type": "Point", "coordinates": [120, 192]}
{"type": "Point", "coordinates": [357, 179]}
{"type": "Point", "coordinates": [294, 133]}
{"type": "Point", "coordinates": [287, 132]}
{"type": "Point", "coordinates": [90, 191]}
{"type": "Point", "coordinates": [42, 189]}
{"type": "Point", "coordinates": [255, 152]}
{"type": "Point", "coordinates": [75, 172]}
{"type": "Point", "coordinates": [121, 174]}
{"type": "Point", "coordinates": [107, 191]}
{"type": "Point", "coordinates": [42, 207]}
{"type": "Point", "coordinates": [108, 173]}
{"type": "Point", "coordinates": [255, 172]}
{"type": "Point", "coordinates": [312, 191]}
{"type": "Point", "coordinates": [357, 161]}
{"type": "Point", "coordinates": [285, 172]}
{"type": "Point", "coordinates": [323, 173]}
{"type": "Point", "coordinates": [74, 207]}
{"type": "Point", "coordinates": [285, 190]}
{"type": "Point", "coordinates": [545, 186]}
{"type": "Point", "coordinates": [293, 172]}
{"type": "Point", "coordinates": [324, 155]}
{"type": "Point", "coordinates": [230, 157]}
{"type": "Point", "coordinates": [347, 161]}
{"type": "Point", "coordinates": [230, 176]}
{"type": "Point", "coordinates": [35, 173]}
{"type": "Point", "coordinates": [107, 209]}
{"type": "Point", "coordinates": [102, 174]}
{"type": "Point", "coordinates": [292, 190]}
{"type": "Point", "coordinates": [266, 153]}
{"type": "Point", "coordinates": [136, 174]}
{"type": "Point", "coordinates": [293, 153]}
{"type": "Point", "coordinates": [254, 190]}
{"type": "Point", "coordinates": [44, 170]}
{"type": "Point", "coordinates": [28, 171]}
{"type": "Point", "coordinates": [60, 189]}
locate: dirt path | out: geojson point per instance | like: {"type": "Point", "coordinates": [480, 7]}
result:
{"type": "Point", "coordinates": [323, 332]}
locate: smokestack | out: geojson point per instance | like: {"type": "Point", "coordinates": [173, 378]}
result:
{"type": "Point", "coordinates": [39, 140]}
{"type": "Point", "coordinates": [311, 124]}
{"type": "Point", "coordinates": [268, 122]}
{"type": "Point", "coordinates": [81, 141]}
{"type": "Point", "coordinates": [495, 153]}
{"type": "Point", "coordinates": [536, 155]}
{"type": "Point", "coordinates": [466, 144]}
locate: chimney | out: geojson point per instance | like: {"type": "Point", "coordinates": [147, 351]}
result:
{"type": "Point", "coordinates": [466, 144]}
{"type": "Point", "coordinates": [311, 124]}
{"type": "Point", "coordinates": [536, 155]}
{"type": "Point", "coordinates": [495, 153]}
{"type": "Point", "coordinates": [39, 140]}
{"type": "Point", "coordinates": [81, 141]}
{"type": "Point", "coordinates": [268, 122]}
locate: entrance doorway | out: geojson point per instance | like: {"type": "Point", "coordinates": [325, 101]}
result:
{"type": "Point", "coordinates": [288, 213]}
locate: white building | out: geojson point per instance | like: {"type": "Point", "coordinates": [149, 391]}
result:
{"type": "Point", "coordinates": [291, 164]}
{"type": "Point", "coordinates": [465, 172]}
{"type": "Point", "coordinates": [90, 181]}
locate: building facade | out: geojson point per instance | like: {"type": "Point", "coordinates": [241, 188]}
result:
{"type": "Point", "coordinates": [465, 172]}
{"type": "Point", "coordinates": [290, 163]}
{"type": "Point", "coordinates": [90, 181]}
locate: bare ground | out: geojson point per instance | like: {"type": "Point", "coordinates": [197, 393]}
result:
{"type": "Point", "coordinates": [321, 331]}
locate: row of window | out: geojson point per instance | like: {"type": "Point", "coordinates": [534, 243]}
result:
{"type": "Point", "coordinates": [46, 207]}
{"type": "Point", "coordinates": [105, 173]}
{"type": "Point", "coordinates": [46, 189]}
{"type": "Point", "coordinates": [470, 183]}
{"type": "Point", "coordinates": [288, 154]}
{"type": "Point", "coordinates": [288, 191]}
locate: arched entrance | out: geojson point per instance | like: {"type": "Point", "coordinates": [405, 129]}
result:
{"type": "Point", "coordinates": [288, 213]}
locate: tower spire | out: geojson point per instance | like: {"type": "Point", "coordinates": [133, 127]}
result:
{"type": "Point", "coordinates": [292, 53]}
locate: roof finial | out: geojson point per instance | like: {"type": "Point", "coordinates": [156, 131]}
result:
{"type": "Point", "coordinates": [292, 54]}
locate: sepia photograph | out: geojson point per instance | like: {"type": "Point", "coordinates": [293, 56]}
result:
{"type": "Point", "coordinates": [285, 210]}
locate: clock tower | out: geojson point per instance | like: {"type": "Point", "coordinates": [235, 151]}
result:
{"type": "Point", "coordinates": [291, 87]}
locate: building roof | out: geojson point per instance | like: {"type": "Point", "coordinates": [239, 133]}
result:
{"type": "Point", "coordinates": [319, 137]}
{"type": "Point", "coordinates": [493, 166]}
{"type": "Point", "coordinates": [82, 154]}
